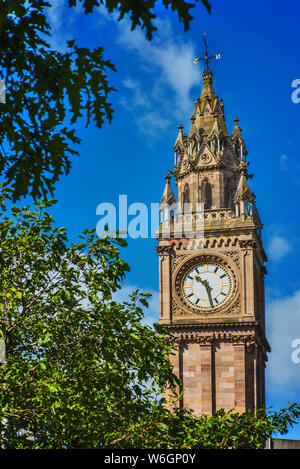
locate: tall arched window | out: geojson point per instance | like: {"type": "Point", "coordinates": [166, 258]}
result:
{"type": "Point", "coordinates": [228, 193]}
{"type": "Point", "coordinates": [206, 194]}
{"type": "Point", "coordinates": [185, 196]}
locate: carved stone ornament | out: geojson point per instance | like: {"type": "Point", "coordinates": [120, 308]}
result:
{"type": "Point", "coordinates": [205, 158]}
{"type": "Point", "coordinates": [199, 337]}
{"type": "Point", "coordinates": [227, 159]}
{"type": "Point", "coordinates": [185, 164]}
{"type": "Point", "coordinates": [164, 250]}
{"type": "Point", "coordinates": [234, 256]}
{"type": "Point", "coordinates": [247, 244]}
{"type": "Point", "coordinates": [176, 260]}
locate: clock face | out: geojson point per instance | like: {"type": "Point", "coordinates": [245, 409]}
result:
{"type": "Point", "coordinates": [207, 285]}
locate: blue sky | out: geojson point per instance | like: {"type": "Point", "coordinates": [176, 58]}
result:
{"type": "Point", "coordinates": [157, 85]}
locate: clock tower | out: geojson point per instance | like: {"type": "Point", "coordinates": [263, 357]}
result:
{"type": "Point", "coordinates": [211, 265]}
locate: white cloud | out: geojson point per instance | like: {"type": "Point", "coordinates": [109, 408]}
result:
{"type": "Point", "coordinates": [283, 374]}
{"type": "Point", "coordinates": [61, 19]}
{"type": "Point", "coordinates": [159, 89]}
{"type": "Point", "coordinates": [168, 61]}
{"type": "Point", "coordinates": [137, 97]}
{"type": "Point", "coordinates": [166, 73]}
{"type": "Point", "coordinates": [55, 14]}
{"type": "Point", "coordinates": [277, 248]}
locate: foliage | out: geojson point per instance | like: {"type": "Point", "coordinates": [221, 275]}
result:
{"type": "Point", "coordinates": [79, 365]}
{"type": "Point", "coordinates": [47, 91]}
{"type": "Point", "coordinates": [224, 430]}
{"type": "Point", "coordinates": [82, 370]}
{"type": "Point", "coordinates": [141, 11]}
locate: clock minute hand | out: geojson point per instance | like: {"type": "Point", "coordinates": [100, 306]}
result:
{"type": "Point", "coordinates": [209, 296]}
{"type": "Point", "coordinates": [208, 289]}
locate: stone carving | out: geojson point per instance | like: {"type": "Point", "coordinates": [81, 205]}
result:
{"type": "Point", "coordinates": [164, 250]}
{"type": "Point", "coordinates": [234, 256]}
{"type": "Point", "coordinates": [247, 243]}
{"type": "Point", "coordinates": [197, 337]}
{"type": "Point", "coordinates": [205, 158]}
{"type": "Point", "coordinates": [177, 310]}
{"type": "Point", "coordinates": [235, 308]}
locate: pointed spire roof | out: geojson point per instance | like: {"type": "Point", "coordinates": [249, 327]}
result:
{"type": "Point", "coordinates": [237, 130]}
{"type": "Point", "coordinates": [193, 127]}
{"type": "Point", "coordinates": [237, 136]}
{"type": "Point", "coordinates": [179, 140]}
{"type": "Point", "coordinates": [209, 109]}
{"type": "Point", "coordinates": [243, 191]}
{"type": "Point", "coordinates": [168, 196]}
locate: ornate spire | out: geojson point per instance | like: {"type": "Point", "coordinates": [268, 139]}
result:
{"type": "Point", "coordinates": [238, 140]}
{"type": "Point", "coordinates": [208, 108]}
{"type": "Point", "coordinates": [208, 90]}
{"type": "Point", "coordinates": [179, 140]}
{"type": "Point", "coordinates": [168, 197]}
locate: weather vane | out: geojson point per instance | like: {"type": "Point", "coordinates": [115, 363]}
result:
{"type": "Point", "coordinates": [206, 58]}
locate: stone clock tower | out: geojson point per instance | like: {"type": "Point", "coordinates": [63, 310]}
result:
{"type": "Point", "coordinates": [211, 265]}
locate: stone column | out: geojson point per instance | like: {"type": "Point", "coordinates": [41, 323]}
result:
{"type": "Point", "coordinates": [165, 282]}
{"type": "Point", "coordinates": [208, 405]}
{"type": "Point", "coordinates": [192, 377]}
{"type": "Point", "coordinates": [239, 377]}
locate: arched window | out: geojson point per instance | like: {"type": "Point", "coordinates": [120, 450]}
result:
{"type": "Point", "coordinates": [206, 194]}
{"type": "Point", "coordinates": [185, 196]}
{"type": "Point", "coordinates": [228, 193]}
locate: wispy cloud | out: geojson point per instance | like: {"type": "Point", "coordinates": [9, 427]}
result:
{"type": "Point", "coordinates": [284, 327]}
{"type": "Point", "coordinates": [168, 59]}
{"type": "Point", "coordinates": [61, 19]}
{"type": "Point", "coordinates": [159, 89]}
{"type": "Point", "coordinates": [278, 247]}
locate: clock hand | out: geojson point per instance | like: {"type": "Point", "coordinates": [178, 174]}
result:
{"type": "Point", "coordinates": [208, 288]}
{"type": "Point", "coordinates": [209, 296]}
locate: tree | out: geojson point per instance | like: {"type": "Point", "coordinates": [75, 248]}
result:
{"type": "Point", "coordinates": [181, 429]}
{"type": "Point", "coordinates": [77, 361]}
{"type": "Point", "coordinates": [48, 91]}
{"type": "Point", "coordinates": [82, 370]}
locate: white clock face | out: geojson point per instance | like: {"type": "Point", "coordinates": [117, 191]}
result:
{"type": "Point", "coordinates": [207, 285]}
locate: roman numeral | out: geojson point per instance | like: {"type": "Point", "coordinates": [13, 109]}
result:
{"type": "Point", "coordinates": [216, 300]}
{"type": "Point", "coordinates": [191, 294]}
{"type": "Point", "coordinates": [222, 293]}
{"type": "Point", "coordinates": [216, 269]}
{"type": "Point", "coordinates": [197, 301]}
{"type": "Point", "coordinates": [222, 276]}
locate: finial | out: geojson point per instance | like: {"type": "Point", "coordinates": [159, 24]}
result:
{"type": "Point", "coordinates": [236, 121]}
{"type": "Point", "coordinates": [168, 176]}
{"type": "Point", "coordinates": [180, 127]}
{"type": "Point", "coordinates": [243, 168]}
